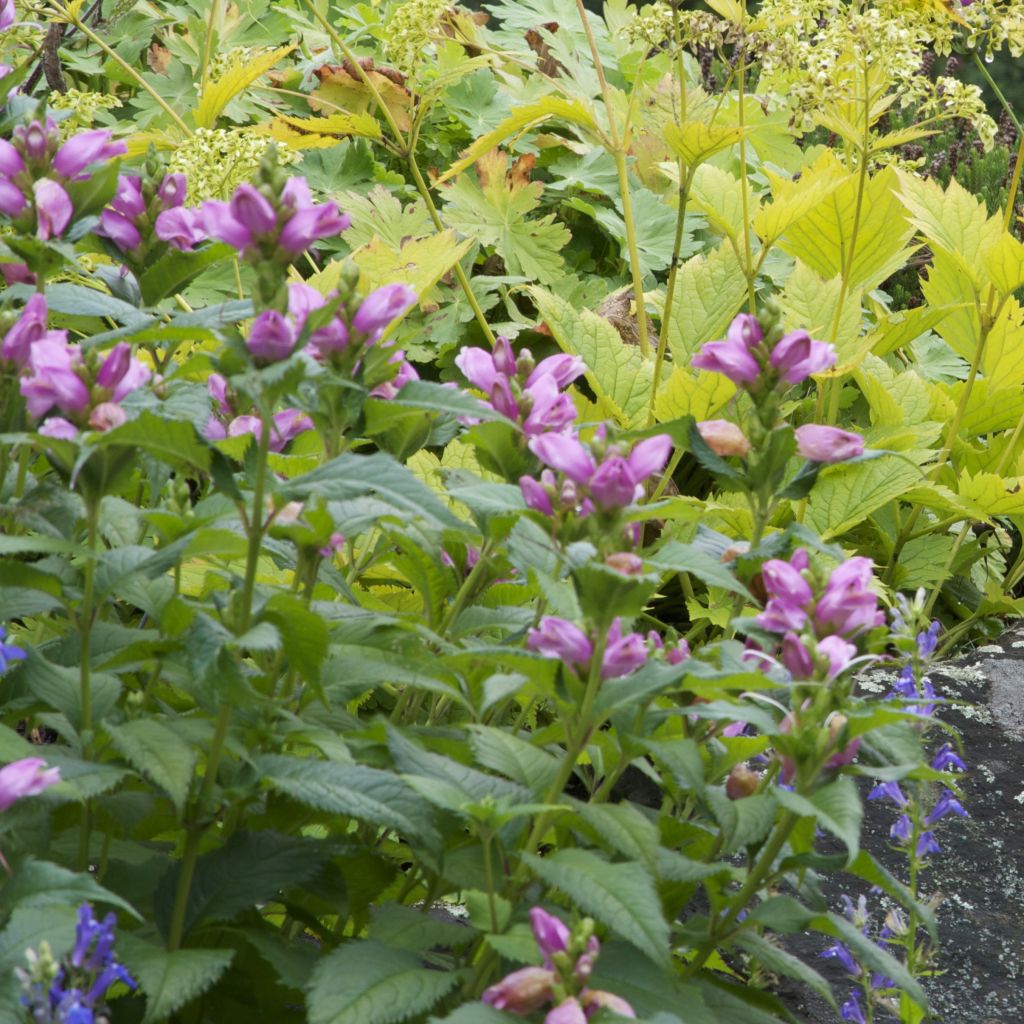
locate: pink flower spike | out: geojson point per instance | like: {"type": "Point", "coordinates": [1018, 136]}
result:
{"type": "Point", "coordinates": [614, 484]}
{"type": "Point", "coordinates": [27, 777]}
{"type": "Point", "coordinates": [11, 162]}
{"type": "Point", "coordinates": [30, 327]}
{"type": "Point", "coordinates": [173, 190]}
{"type": "Point", "coordinates": [561, 639]}
{"type": "Point", "coordinates": [7, 14]}
{"type": "Point", "coordinates": [477, 366]}
{"type": "Point", "coordinates": [535, 496]}
{"type": "Point", "coordinates": [182, 228]}
{"type": "Point", "coordinates": [839, 653]}
{"type": "Point", "coordinates": [53, 209]}
{"type": "Point", "coordinates": [552, 409]}
{"type": "Point", "coordinates": [745, 329]}
{"type": "Point", "coordinates": [271, 337]}
{"type": "Point", "coordinates": [382, 306]}
{"type": "Point", "coordinates": [781, 580]}
{"type": "Point", "coordinates": [797, 355]}
{"type": "Point", "coordinates": [731, 359]}
{"type": "Point", "coordinates": [12, 199]}
{"type": "Point", "coordinates": [106, 416]}
{"type": "Point", "coordinates": [218, 221]}
{"type": "Point", "coordinates": [564, 453]}
{"type": "Point", "coordinates": [115, 366]}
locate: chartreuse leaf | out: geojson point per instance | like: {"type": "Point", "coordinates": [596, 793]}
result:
{"type": "Point", "coordinates": [334, 125]}
{"type": "Point", "coordinates": [811, 303]}
{"type": "Point", "coordinates": [617, 373]}
{"type": "Point", "coordinates": [989, 407]}
{"type": "Point", "coordinates": [899, 329]}
{"type": "Point", "coordinates": [846, 495]}
{"type": "Point", "coordinates": [997, 495]}
{"type": "Point", "coordinates": [875, 225]}
{"type": "Point", "coordinates": [159, 753]}
{"type": "Point", "coordinates": [694, 141]}
{"type": "Point", "coordinates": [621, 896]}
{"type": "Point", "coordinates": [946, 285]}
{"type": "Point", "coordinates": [528, 116]}
{"type": "Point", "coordinates": [709, 292]}
{"type": "Point", "coordinates": [242, 72]}
{"type": "Point", "coordinates": [953, 220]}
{"type": "Point", "coordinates": [793, 199]}
{"type": "Point", "coordinates": [696, 393]}
{"type": "Point", "coordinates": [1004, 262]}
{"type": "Point", "coordinates": [1003, 356]}
{"type": "Point", "coordinates": [170, 980]}
{"type": "Point", "coordinates": [38, 883]}
{"type": "Point", "coordinates": [366, 982]}
{"type": "Point", "coordinates": [719, 196]}
{"type": "Point", "coordinates": [420, 263]}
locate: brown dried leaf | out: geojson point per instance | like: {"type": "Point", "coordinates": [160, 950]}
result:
{"type": "Point", "coordinates": [158, 57]}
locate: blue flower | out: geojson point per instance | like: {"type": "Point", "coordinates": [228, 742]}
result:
{"type": "Point", "coordinates": [902, 829]}
{"type": "Point", "coordinates": [946, 804]}
{"type": "Point", "coordinates": [926, 844]}
{"type": "Point", "coordinates": [8, 652]}
{"type": "Point", "coordinates": [850, 1010]}
{"type": "Point", "coordinates": [889, 791]}
{"type": "Point", "coordinates": [945, 758]}
{"type": "Point", "coordinates": [927, 640]}
{"type": "Point", "coordinates": [840, 952]}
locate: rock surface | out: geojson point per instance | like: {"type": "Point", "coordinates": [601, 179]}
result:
{"type": "Point", "coordinates": [980, 874]}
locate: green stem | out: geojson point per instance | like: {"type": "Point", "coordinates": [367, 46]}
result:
{"type": "Point", "coordinates": [255, 523]}
{"type": "Point", "coordinates": [634, 258]}
{"type": "Point", "coordinates": [749, 271]}
{"type": "Point", "coordinates": [755, 879]}
{"type": "Point", "coordinates": [86, 614]}
{"type": "Point", "coordinates": [999, 92]}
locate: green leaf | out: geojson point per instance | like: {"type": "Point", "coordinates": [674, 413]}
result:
{"type": "Point", "coordinates": [836, 807]}
{"type": "Point", "coordinates": [475, 1013]}
{"type": "Point", "coordinates": [516, 758]}
{"type": "Point", "coordinates": [38, 883]}
{"type": "Point", "coordinates": [676, 556]}
{"type": "Point", "coordinates": [170, 980]}
{"type": "Point", "coordinates": [175, 269]}
{"type": "Point", "coordinates": [778, 961]}
{"type": "Point", "coordinates": [401, 927]}
{"type": "Point", "coordinates": [366, 982]}
{"type": "Point", "coordinates": [695, 141]}
{"type": "Point", "coordinates": [77, 300]}
{"type": "Point", "coordinates": [372, 795]}
{"type": "Point", "coordinates": [845, 495]}
{"type": "Point", "coordinates": [619, 376]}
{"type": "Point", "coordinates": [172, 441]}
{"type": "Point", "coordinates": [60, 687]}
{"type": "Point", "coordinates": [621, 896]}
{"type": "Point", "coordinates": [158, 752]}
{"type": "Point", "coordinates": [27, 927]}
{"type": "Point", "coordinates": [251, 868]}
{"type": "Point", "coordinates": [303, 634]}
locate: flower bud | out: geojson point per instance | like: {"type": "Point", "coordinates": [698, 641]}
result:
{"type": "Point", "coordinates": [625, 562]}
{"type": "Point", "coordinates": [724, 438]}
{"type": "Point", "coordinates": [742, 782]}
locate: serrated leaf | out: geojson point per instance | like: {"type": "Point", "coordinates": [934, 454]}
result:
{"type": "Point", "coordinates": [170, 980]}
{"type": "Point", "coordinates": [710, 290]}
{"type": "Point", "coordinates": [676, 556]}
{"type": "Point", "coordinates": [621, 896]}
{"type": "Point", "coordinates": [171, 441]}
{"type": "Point", "coordinates": [516, 758]}
{"type": "Point", "coordinates": [401, 927]}
{"type": "Point", "coordinates": [811, 303]}
{"type": "Point", "coordinates": [158, 752]}
{"type": "Point", "coordinates": [335, 124]}
{"type": "Point", "coordinates": [779, 961]}
{"type": "Point", "coordinates": [845, 496]}
{"type": "Point", "coordinates": [694, 141]}
{"type": "Point", "coordinates": [380, 214]}
{"type": "Point", "coordinates": [836, 807]}
{"type": "Point", "coordinates": [372, 795]}
{"type": "Point", "coordinates": [1004, 263]}
{"type": "Point", "coordinates": [619, 376]}
{"type": "Point", "coordinates": [719, 196]}
{"type": "Point", "coordinates": [699, 394]}
{"type": "Point", "coordinates": [39, 883]}
{"type": "Point", "coordinates": [420, 263]}
{"type": "Point", "coordinates": [522, 118]}
{"type": "Point", "coordinates": [175, 269]}
{"type": "Point", "coordinates": [366, 982]}
{"type": "Point", "coordinates": [242, 72]}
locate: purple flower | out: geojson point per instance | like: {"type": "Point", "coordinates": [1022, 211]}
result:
{"type": "Point", "coordinates": [649, 456]}
{"type": "Point", "coordinates": [536, 495]}
{"type": "Point", "coordinates": [563, 368]}
{"type": "Point", "coordinates": [839, 654]}
{"type": "Point", "coordinates": [128, 200]}
{"type": "Point", "coordinates": [8, 652]}
{"type": "Point", "coordinates": [382, 306]}
{"type": "Point", "coordinates": [850, 1010]}
{"type": "Point", "coordinates": [522, 991]}
{"type": "Point", "coordinates": [827, 444]}
{"type": "Point", "coordinates": [271, 337]}
{"type": "Point", "coordinates": [782, 580]}
{"type": "Point", "coordinates": [927, 640]}
{"type": "Point", "coordinates": [181, 227]}
{"type": "Point", "coordinates": [795, 656]}
{"type": "Point", "coordinates": [477, 366]}
{"type": "Point", "coordinates": [58, 427]}
{"type": "Point", "coordinates": [902, 829]}
{"type": "Point", "coordinates": [927, 844]}
{"type": "Point", "coordinates": [596, 999]}
{"type": "Point", "coordinates": [551, 410]}
{"type": "Point", "coordinates": [622, 654]}
{"type": "Point", "coordinates": [561, 639]}
{"type": "Point", "coordinates": [286, 425]}
{"type": "Point", "coordinates": [107, 416]}
{"type": "Point", "coordinates": [551, 934]}
{"type": "Point", "coordinates": [731, 358]}
{"type": "Point", "coordinates": [120, 230]}
{"type": "Point", "coordinates": [311, 223]}
{"type": "Point", "coordinates": [613, 485]}
{"type": "Point", "coordinates": [889, 791]}
{"type": "Point", "coordinates": [839, 951]}
{"type": "Point", "coordinates": [29, 328]}
{"type": "Point", "coordinates": [848, 605]}
{"type": "Point", "coordinates": [26, 777]}
{"type": "Point", "coordinates": [173, 190]}
{"type": "Point", "coordinates": [87, 148]}
{"type": "Point", "coordinates": [53, 209]}
{"type": "Point", "coordinates": [745, 329]}
{"type": "Point", "coordinates": [406, 373]}
{"type": "Point", "coordinates": [35, 138]}
{"type": "Point", "coordinates": [12, 199]}
{"type": "Point", "coordinates": [240, 221]}
{"type": "Point", "coordinates": [945, 759]}
{"type": "Point", "coordinates": [120, 373]}
{"type": "Point", "coordinates": [567, 1012]}
{"type": "Point", "coordinates": [7, 14]}
{"type": "Point", "coordinates": [564, 453]}
{"type": "Point", "coordinates": [54, 380]}
{"type": "Point", "coordinates": [946, 804]}
{"type": "Point", "coordinates": [796, 356]}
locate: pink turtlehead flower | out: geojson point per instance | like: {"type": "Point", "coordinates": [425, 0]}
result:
{"type": "Point", "coordinates": [522, 991]}
{"type": "Point", "coordinates": [565, 454]}
{"type": "Point", "coordinates": [551, 933]}
{"type": "Point", "coordinates": [536, 493]}
{"type": "Point", "coordinates": [848, 605]}
{"type": "Point", "coordinates": [53, 209]}
{"type": "Point", "coordinates": [53, 380]}
{"type": "Point", "coordinates": [84, 149]}
{"type": "Point", "coordinates": [597, 999]}
{"type": "Point", "coordinates": [58, 427]}
{"type": "Point", "coordinates": [568, 1011]}
{"type": "Point", "coordinates": [173, 190]}
{"type": "Point", "coordinates": [7, 14]}
{"type": "Point", "coordinates": [120, 373]}
{"type": "Point", "coordinates": [827, 444]}
{"type": "Point", "coordinates": [271, 338]}
{"type": "Point", "coordinates": [406, 374]}
{"type": "Point", "coordinates": [29, 328]}
{"type": "Point", "coordinates": [181, 227]}
{"type": "Point", "coordinates": [561, 639]}
{"type": "Point", "coordinates": [27, 777]}
{"type": "Point", "coordinates": [382, 306]}
{"type": "Point", "coordinates": [622, 654]}
{"type": "Point", "coordinates": [723, 437]}
{"type": "Point", "coordinates": [106, 416]}
{"type": "Point", "coordinates": [797, 355]}
{"type": "Point", "coordinates": [731, 358]}
{"type": "Point", "coordinates": [618, 481]}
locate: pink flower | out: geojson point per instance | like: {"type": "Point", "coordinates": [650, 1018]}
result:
{"type": "Point", "coordinates": [287, 425]}
{"type": "Point", "coordinates": [848, 605]}
{"type": "Point", "coordinates": [120, 373]}
{"type": "Point", "coordinates": [839, 654]}
{"type": "Point", "coordinates": [567, 1012]}
{"type": "Point", "coordinates": [11, 162]}
{"type": "Point", "coordinates": [173, 190]}
{"type": "Point", "coordinates": [35, 138]}
{"type": "Point", "coordinates": [613, 484]}
{"type": "Point", "coordinates": [311, 223]}
{"type": "Point", "coordinates": [12, 199]}
{"type": "Point", "coordinates": [477, 366]}
{"type": "Point", "coordinates": [730, 358]}
{"type": "Point", "coordinates": [596, 999]}
{"type": "Point", "coordinates": [120, 230]}
{"type": "Point", "coordinates": [58, 427]}
{"type": "Point", "coordinates": [623, 654]}
{"type": "Point", "coordinates": [271, 337]}
{"type": "Point", "coordinates": [564, 453]}
{"type": "Point", "coordinates": [302, 300]}
{"type": "Point", "coordinates": [782, 580]}
{"type": "Point", "coordinates": [563, 368]}
{"type": "Point", "coordinates": [827, 444]}
{"type": "Point", "coordinates": [53, 209]}
{"type": "Point", "coordinates": [558, 638]}
{"type": "Point", "coordinates": [649, 456]}
{"type": "Point", "coordinates": [7, 14]}
{"type": "Point", "coordinates": [551, 410]}
{"type": "Point", "coordinates": [745, 329]}
{"type": "Point", "coordinates": [551, 933]}
{"type": "Point", "coordinates": [723, 437]}
{"type": "Point", "coordinates": [406, 373]}
{"type": "Point", "coordinates": [54, 381]}
{"type": "Point", "coordinates": [106, 416]}
{"type": "Point", "coordinates": [87, 148]}
{"type": "Point", "coordinates": [535, 495]}
{"type": "Point", "coordinates": [181, 227]}
{"type": "Point", "coordinates": [797, 355]}
{"type": "Point", "coordinates": [218, 388]}
{"type": "Point", "coordinates": [29, 328]}
{"type": "Point", "coordinates": [522, 991]}
{"type": "Point", "coordinates": [382, 306]}
{"type": "Point", "coordinates": [25, 778]}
